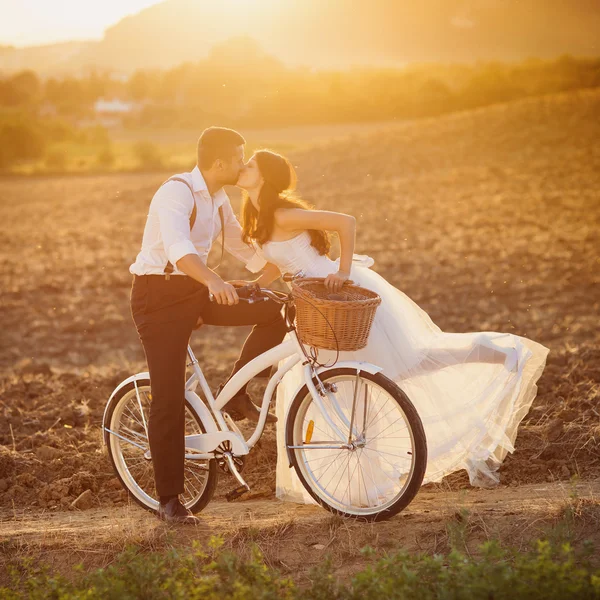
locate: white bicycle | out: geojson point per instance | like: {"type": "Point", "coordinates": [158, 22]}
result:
{"type": "Point", "coordinates": [352, 435]}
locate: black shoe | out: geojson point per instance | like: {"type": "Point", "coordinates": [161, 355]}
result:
{"type": "Point", "coordinates": [175, 512]}
{"type": "Point", "coordinates": [241, 407]}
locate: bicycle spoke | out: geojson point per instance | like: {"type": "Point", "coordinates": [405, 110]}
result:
{"type": "Point", "coordinates": [134, 418]}
{"type": "Point", "coordinates": [385, 459]}
{"type": "Point", "coordinates": [188, 482]}
{"type": "Point", "coordinates": [122, 438]}
{"type": "Point", "coordinates": [139, 401]}
{"type": "Point", "coordinates": [350, 477]}
{"type": "Point", "coordinates": [373, 480]}
{"type": "Point", "coordinates": [135, 433]}
{"type": "Point", "coordinates": [197, 475]}
{"type": "Point", "coordinates": [388, 476]}
{"type": "Point", "coordinates": [337, 456]}
{"type": "Point", "coordinates": [384, 416]}
{"type": "Point", "coordinates": [374, 402]}
{"type": "Point", "coordinates": [319, 457]}
{"type": "Point", "coordinates": [325, 433]}
{"type": "Point", "coordinates": [365, 486]}
{"type": "Point", "coordinates": [382, 431]}
{"type": "Point", "coordinates": [341, 475]}
{"type": "Point", "coordinates": [196, 464]}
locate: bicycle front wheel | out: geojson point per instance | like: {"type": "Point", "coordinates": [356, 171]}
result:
{"type": "Point", "coordinates": [378, 467]}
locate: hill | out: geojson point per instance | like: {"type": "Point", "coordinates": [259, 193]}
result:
{"type": "Point", "coordinates": [338, 33]}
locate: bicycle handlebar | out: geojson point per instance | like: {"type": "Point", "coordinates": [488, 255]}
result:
{"type": "Point", "coordinates": [252, 292]}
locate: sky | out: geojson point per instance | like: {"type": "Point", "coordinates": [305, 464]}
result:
{"type": "Point", "coordinates": [33, 22]}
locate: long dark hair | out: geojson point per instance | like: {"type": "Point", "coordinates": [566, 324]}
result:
{"type": "Point", "coordinates": [277, 192]}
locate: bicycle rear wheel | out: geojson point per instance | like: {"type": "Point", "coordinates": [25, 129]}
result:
{"type": "Point", "coordinates": [129, 451]}
{"type": "Point", "coordinates": [378, 469]}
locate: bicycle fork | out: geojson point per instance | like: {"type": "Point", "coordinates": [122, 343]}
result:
{"type": "Point", "coordinates": [318, 392]}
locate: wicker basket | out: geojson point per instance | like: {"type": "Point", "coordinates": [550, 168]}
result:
{"type": "Point", "coordinates": [333, 320]}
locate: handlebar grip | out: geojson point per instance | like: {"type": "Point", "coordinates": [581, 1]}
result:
{"type": "Point", "coordinates": [289, 277]}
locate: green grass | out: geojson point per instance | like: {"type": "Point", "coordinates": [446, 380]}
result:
{"type": "Point", "coordinates": [545, 572]}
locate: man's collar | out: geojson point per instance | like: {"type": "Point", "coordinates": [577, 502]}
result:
{"type": "Point", "coordinates": [199, 185]}
{"type": "Point", "coordinates": [198, 180]}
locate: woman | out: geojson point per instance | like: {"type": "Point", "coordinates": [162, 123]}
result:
{"type": "Point", "coordinates": [471, 389]}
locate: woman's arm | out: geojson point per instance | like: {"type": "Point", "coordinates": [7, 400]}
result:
{"type": "Point", "coordinates": [297, 219]}
{"type": "Point", "coordinates": [268, 275]}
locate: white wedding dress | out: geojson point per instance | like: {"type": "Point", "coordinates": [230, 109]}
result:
{"type": "Point", "coordinates": [471, 390]}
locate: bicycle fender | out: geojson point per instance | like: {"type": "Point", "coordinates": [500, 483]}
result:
{"type": "Point", "coordinates": [352, 364]}
{"type": "Point", "coordinates": [136, 377]}
{"type": "Point", "coordinates": [193, 398]}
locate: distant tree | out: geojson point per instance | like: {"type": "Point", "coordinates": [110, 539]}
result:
{"type": "Point", "coordinates": [20, 141]}
{"type": "Point", "coordinates": [140, 85]}
{"type": "Point", "coordinates": [434, 98]}
{"type": "Point", "coordinates": [56, 160]}
{"type": "Point", "coordinates": [148, 155]}
{"type": "Point", "coordinates": [69, 95]}
{"type": "Point", "coordinates": [490, 83]}
{"type": "Point", "coordinates": [21, 89]}
{"type": "Point", "coordinates": [106, 157]}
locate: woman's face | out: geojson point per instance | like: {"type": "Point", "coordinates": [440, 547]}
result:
{"type": "Point", "coordinates": [250, 178]}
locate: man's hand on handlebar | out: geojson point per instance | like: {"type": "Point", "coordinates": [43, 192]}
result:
{"type": "Point", "coordinates": [223, 292]}
{"type": "Point", "coordinates": [251, 293]}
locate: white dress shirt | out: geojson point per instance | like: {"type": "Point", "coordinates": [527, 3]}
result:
{"type": "Point", "coordinates": [167, 235]}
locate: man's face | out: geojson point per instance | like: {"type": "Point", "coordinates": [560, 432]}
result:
{"type": "Point", "coordinates": [231, 170]}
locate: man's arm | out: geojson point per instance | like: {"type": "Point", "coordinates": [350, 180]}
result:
{"type": "Point", "coordinates": [224, 292]}
{"type": "Point", "coordinates": [173, 204]}
{"type": "Point", "coordinates": [174, 207]}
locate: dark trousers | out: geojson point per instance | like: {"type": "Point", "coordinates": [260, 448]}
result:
{"type": "Point", "coordinates": [165, 312]}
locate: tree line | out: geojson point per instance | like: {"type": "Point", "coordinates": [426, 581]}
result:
{"type": "Point", "coordinates": [239, 86]}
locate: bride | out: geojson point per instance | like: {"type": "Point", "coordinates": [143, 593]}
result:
{"type": "Point", "coordinates": [471, 390]}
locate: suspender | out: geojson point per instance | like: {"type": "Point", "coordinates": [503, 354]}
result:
{"type": "Point", "coordinates": [169, 267]}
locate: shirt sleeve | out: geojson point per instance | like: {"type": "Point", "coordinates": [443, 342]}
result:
{"type": "Point", "coordinates": [174, 204]}
{"type": "Point", "coordinates": [234, 243]}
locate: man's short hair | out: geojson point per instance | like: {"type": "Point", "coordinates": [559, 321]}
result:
{"type": "Point", "coordinates": [217, 143]}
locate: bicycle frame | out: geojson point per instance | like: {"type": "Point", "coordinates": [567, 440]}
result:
{"type": "Point", "coordinates": [290, 349]}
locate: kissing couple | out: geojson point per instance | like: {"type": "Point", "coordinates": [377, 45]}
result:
{"type": "Point", "coordinates": [470, 389]}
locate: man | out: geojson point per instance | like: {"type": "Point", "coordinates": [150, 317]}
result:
{"type": "Point", "coordinates": [170, 296]}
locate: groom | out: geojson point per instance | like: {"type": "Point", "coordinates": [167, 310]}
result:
{"type": "Point", "coordinates": [170, 296]}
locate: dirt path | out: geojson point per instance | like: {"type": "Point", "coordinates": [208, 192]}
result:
{"type": "Point", "coordinates": [295, 537]}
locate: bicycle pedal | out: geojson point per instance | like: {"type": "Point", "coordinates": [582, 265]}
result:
{"type": "Point", "coordinates": [236, 493]}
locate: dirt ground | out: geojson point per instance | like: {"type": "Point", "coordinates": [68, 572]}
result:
{"type": "Point", "coordinates": [488, 219]}
{"type": "Point", "coordinates": [295, 538]}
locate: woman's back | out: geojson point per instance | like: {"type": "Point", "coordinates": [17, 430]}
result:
{"type": "Point", "coordinates": [297, 254]}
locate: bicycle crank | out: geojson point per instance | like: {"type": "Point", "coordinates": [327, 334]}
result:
{"type": "Point", "coordinates": [240, 461]}
{"type": "Point", "coordinates": [231, 468]}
